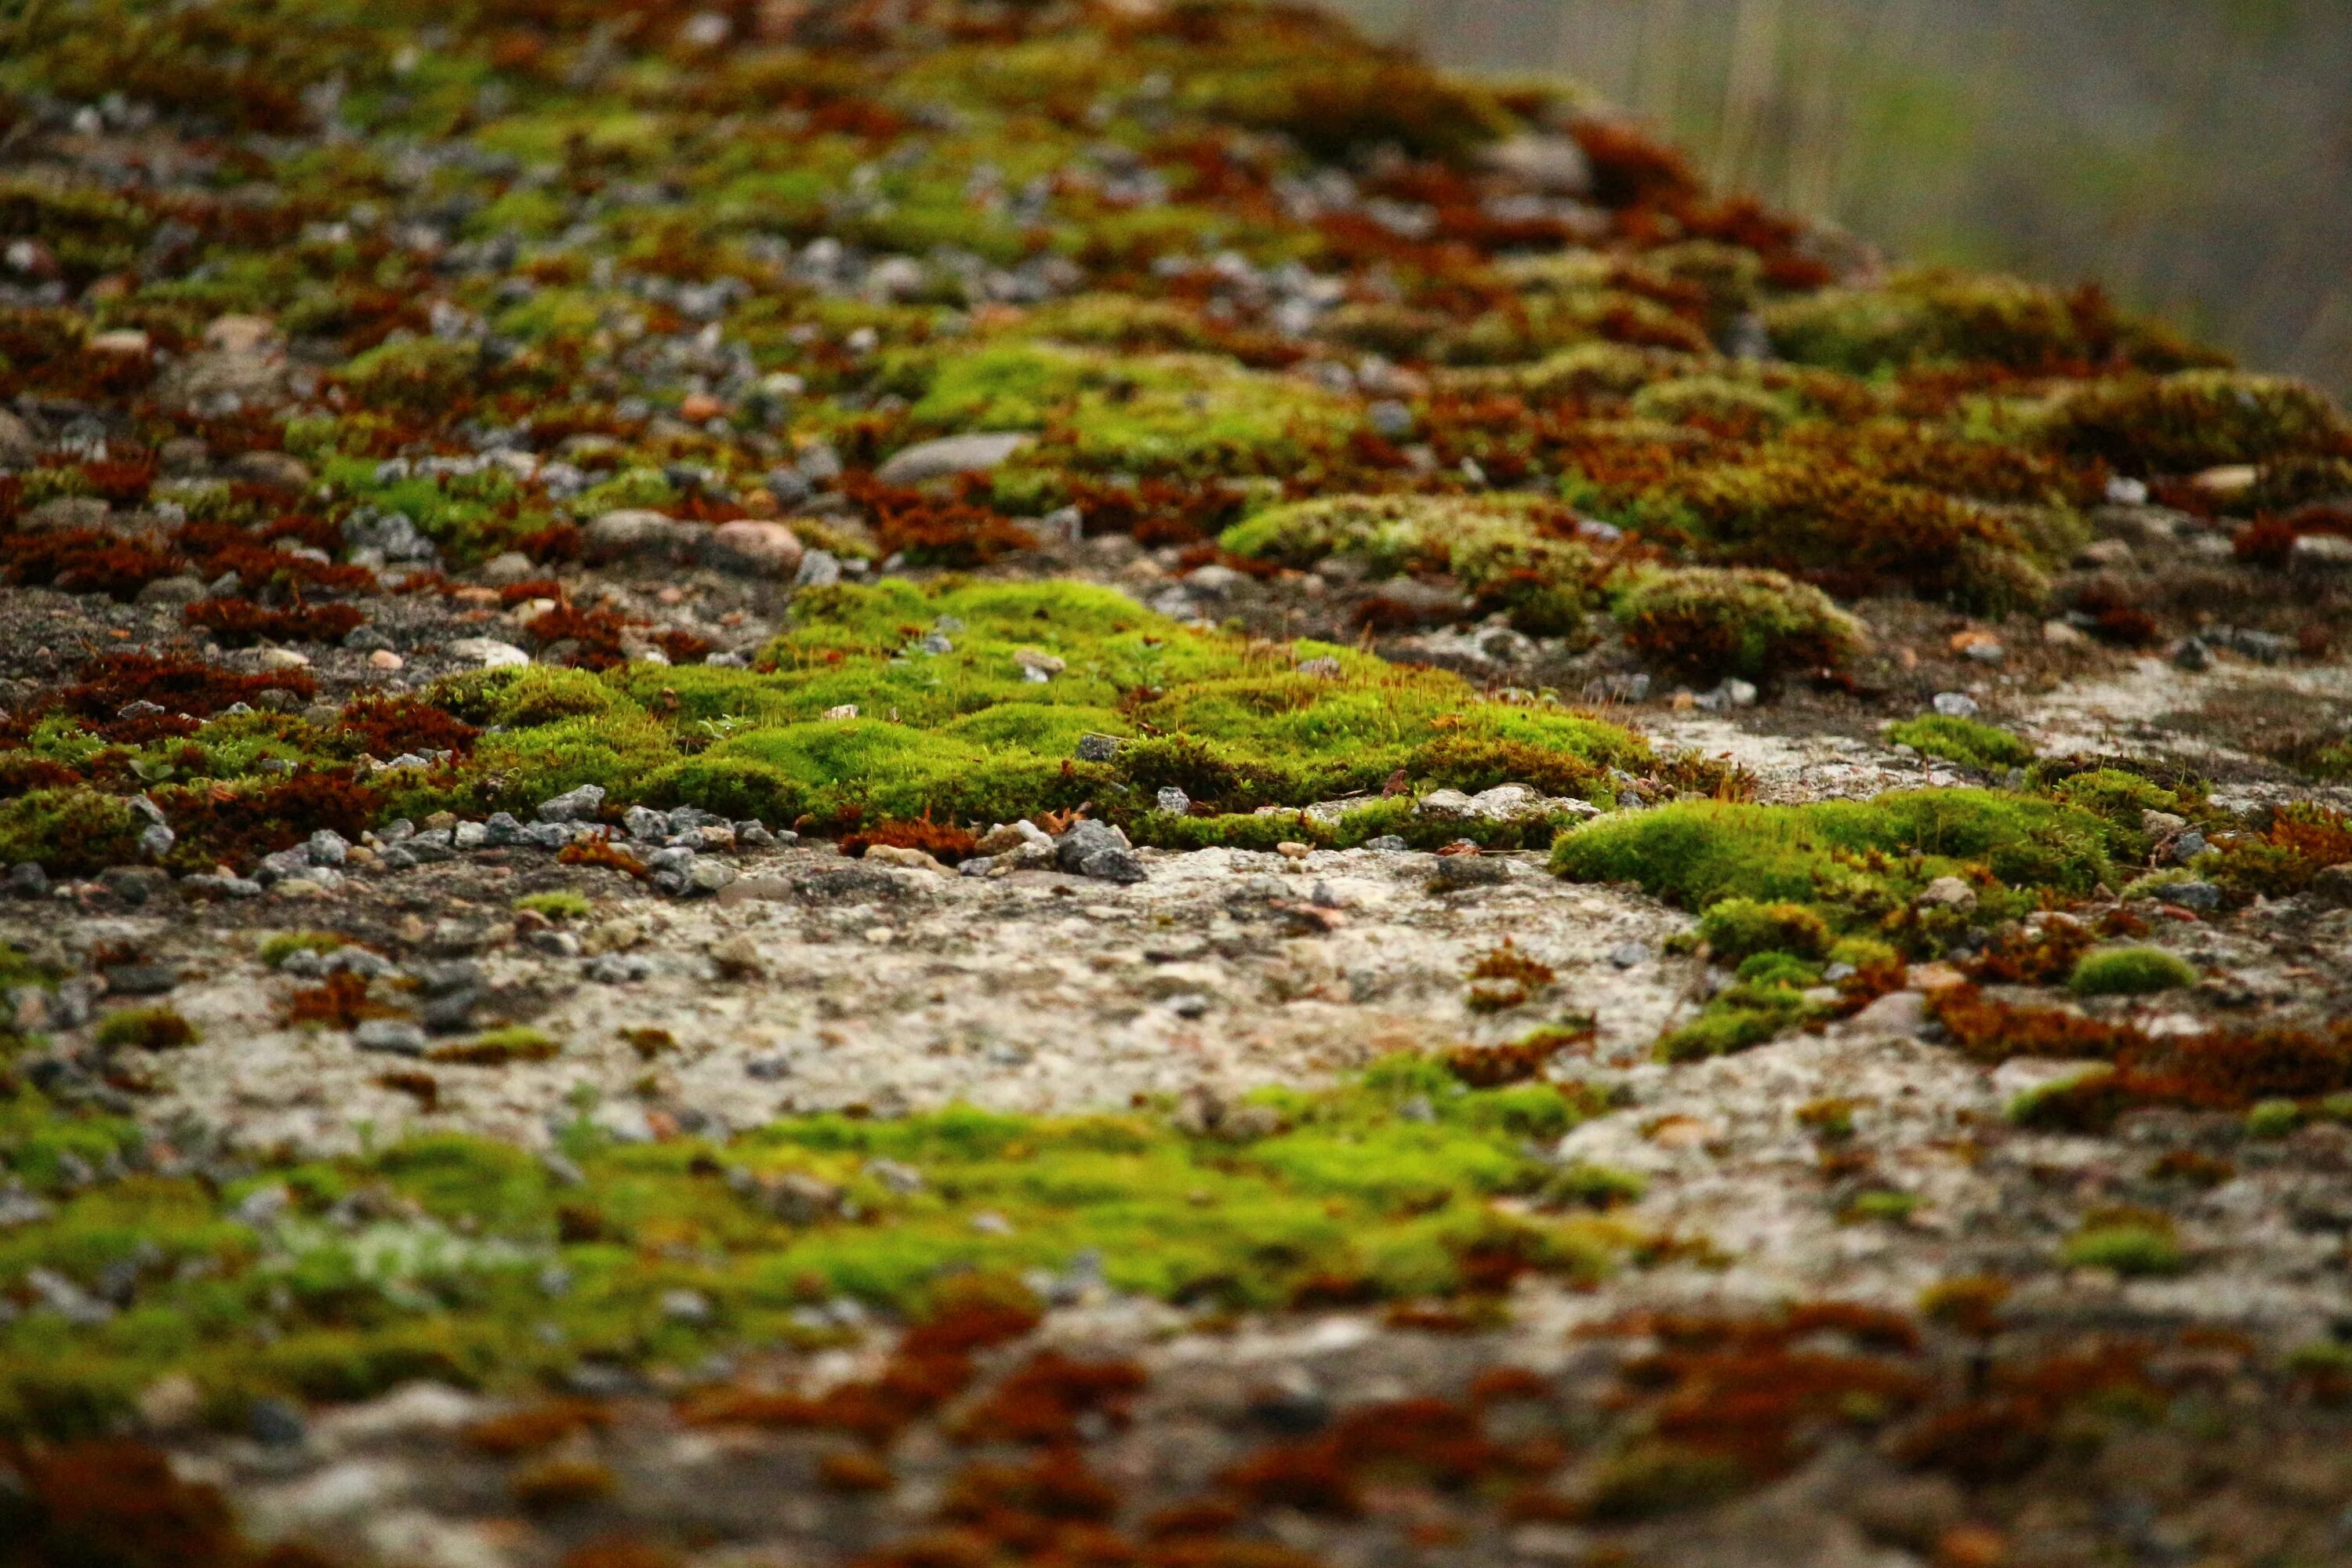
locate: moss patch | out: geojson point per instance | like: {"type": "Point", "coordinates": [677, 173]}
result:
{"type": "Point", "coordinates": [1345, 1192]}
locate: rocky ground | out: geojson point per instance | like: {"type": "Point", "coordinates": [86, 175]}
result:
{"type": "Point", "coordinates": [945, 785]}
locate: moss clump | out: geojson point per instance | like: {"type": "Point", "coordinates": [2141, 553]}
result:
{"type": "Point", "coordinates": [1857, 864]}
{"type": "Point", "coordinates": [1813, 508]}
{"type": "Point", "coordinates": [1938, 316]}
{"type": "Point", "coordinates": [280, 946]}
{"type": "Point", "coordinates": [515, 1043]}
{"type": "Point", "coordinates": [2197, 419]}
{"type": "Point", "coordinates": [2130, 971]}
{"type": "Point", "coordinates": [1741, 928]}
{"type": "Point", "coordinates": [1508, 550]}
{"type": "Point", "coordinates": [948, 723]}
{"type": "Point", "coordinates": [2135, 1249]}
{"type": "Point", "coordinates": [1358, 1187]}
{"type": "Point", "coordinates": [414, 375]}
{"type": "Point", "coordinates": [1708, 624]}
{"type": "Point", "coordinates": [562, 904]}
{"type": "Point", "coordinates": [1715, 401]}
{"type": "Point", "coordinates": [1140, 414]}
{"type": "Point", "coordinates": [1963, 740]}
{"type": "Point", "coordinates": [146, 1029]}
{"type": "Point", "coordinates": [69, 830]}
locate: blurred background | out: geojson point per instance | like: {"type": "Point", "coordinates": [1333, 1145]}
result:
{"type": "Point", "coordinates": [2195, 157]}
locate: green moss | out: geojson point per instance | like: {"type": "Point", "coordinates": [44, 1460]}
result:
{"type": "Point", "coordinates": [68, 831]}
{"type": "Point", "coordinates": [155, 1028]}
{"type": "Point", "coordinates": [1935, 316]}
{"type": "Point", "coordinates": [1584, 1185]}
{"type": "Point", "coordinates": [1737, 928]}
{"type": "Point", "coordinates": [1808, 507]}
{"type": "Point", "coordinates": [418, 375]}
{"type": "Point", "coordinates": [563, 904]}
{"type": "Point", "coordinates": [1708, 624]}
{"type": "Point", "coordinates": [1137, 413]}
{"type": "Point", "coordinates": [2274, 1119]}
{"type": "Point", "coordinates": [1350, 1184]}
{"type": "Point", "coordinates": [2197, 419]}
{"type": "Point", "coordinates": [964, 735]}
{"type": "Point", "coordinates": [1963, 741]}
{"type": "Point", "coordinates": [2130, 971]}
{"type": "Point", "coordinates": [280, 946]}
{"type": "Point", "coordinates": [1495, 544]}
{"type": "Point", "coordinates": [1715, 401]}
{"type": "Point", "coordinates": [1856, 863]}
{"type": "Point", "coordinates": [2130, 1247]}
{"type": "Point", "coordinates": [1891, 1207]}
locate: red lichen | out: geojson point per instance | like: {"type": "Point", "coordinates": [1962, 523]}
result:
{"type": "Point", "coordinates": [388, 727]}
{"type": "Point", "coordinates": [941, 840]}
{"type": "Point", "coordinates": [241, 623]}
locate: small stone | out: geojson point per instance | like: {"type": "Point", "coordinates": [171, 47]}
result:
{"type": "Point", "coordinates": [507, 568]}
{"type": "Point", "coordinates": [2192, 655]}
{"type": "Point", "coordinates": [384, 658]}
{"type": "Point", "coordinates": [1947, 893]}
{"type": "Point", "coordinates": [275, 1424]}
{"type": "Point", "coordinates": [1097, 748]}
{"type": "Point", "coordinates": [488, 652]}
{"type": "Point", "coordinates": [1387, 844]}
{"type": "Point", "coordinates": [689, 1307]}
{"type": "Point", "coordinates": [1629, 954]}
{"type": "Point", "coordinates": [1555, 165]}
{"type": "Point", "coordinates": [630, 531]}
{"type": "Point", "coordinates": [842, 710]}
{"type": "Point", "coordinates": [2321, 552]}
{"type": "Point", "coordinates": [905, 858]}
{"type": "Point", "coordinates": [949, 456]}
{"type": "Point", "coordinates": [1086, 838]}
{"type": "Point", "coordinates": [737, 958]}
{"type": "Point", "coordinates": [818, 569]}
{"type": "Point", "coordinates": [1457, 871]}
{"type": "Point", "coordinates": [1956, 705]}
{"type": "Point", "coordinates": [1173, 801]}
{"type": "Point", "coordinates": [707, 876]}
{"type": "Point", "coordinates": [2059, 634]}
{"type": "Point", "coordinates": [903, 1179]}
{"type": "Point", "coordinates": [171, 1403]}
{"type": "Point", "coordinates": [1113, 865]}
{"type": "Point", "coordinates": [391, 1037]}
{"type": "Point", "coordinates": [141, 980]}
{"type": "Point", "coordinates": [753, 549]}
{"type": "Point", "coordinates": [2203, 897]}
{"type": "Point", "coordinates": [580, 804]}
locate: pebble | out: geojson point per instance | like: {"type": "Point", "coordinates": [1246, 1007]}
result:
{"type": "Point", "coordinates": [392, 1037]}
{"type": "Point", "coordinates": [949, 456]}
{"type": "Point", "coordinates": [1455, 871]}
{"type": "Point", "coordinates": [1956, 705]}
{"type": "Point", "coordinates": [1628, 954]}
{"type": "Point", "coordinates": [488, 652]}
{"type": "Point", "coordinates": [580, 804]}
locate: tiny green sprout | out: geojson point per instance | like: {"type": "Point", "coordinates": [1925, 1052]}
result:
{"type": "Point", "coordinates": [1891, 1206]}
